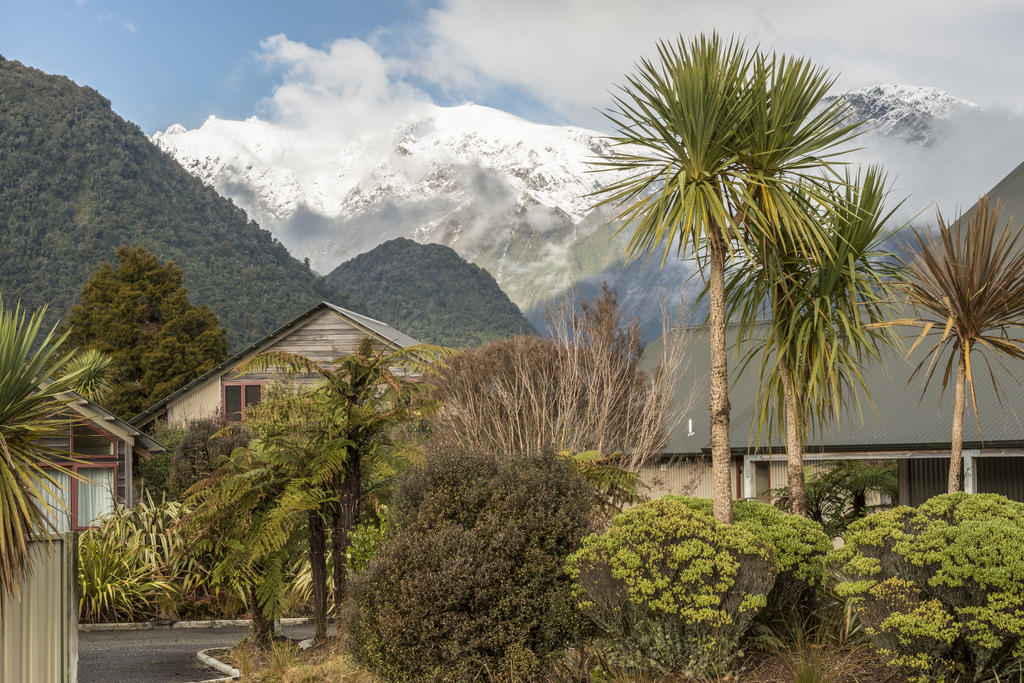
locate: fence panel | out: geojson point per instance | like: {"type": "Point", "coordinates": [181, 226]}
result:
{"type": "Point", "coordinates": [39, 626]}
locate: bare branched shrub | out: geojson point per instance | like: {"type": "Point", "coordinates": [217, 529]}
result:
{"type": "Point", "coordinates": [583, 389]}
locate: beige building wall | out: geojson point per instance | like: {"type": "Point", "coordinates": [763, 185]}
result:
{"type": "Point", "coordinates": [689, 476]}
{"type": "Point", "coordinates": [202, 402]}
{"type": "Point", "coordinates": [323, 338]}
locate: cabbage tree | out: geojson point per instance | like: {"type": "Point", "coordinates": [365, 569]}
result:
{"type": "Point", "coordinates": [966, 281]}
{"type": "Point", "coordinates": [821, 327]}
{"type": "Point", "coordinates": [711, 140]}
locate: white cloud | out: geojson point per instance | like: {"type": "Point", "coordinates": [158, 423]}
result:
{"type": "Point", "coordinates": [129, 26]}
{"type": "Point", "coordinates": [347, 89]}
{"type": "Point", "coordinates": [569, 53]}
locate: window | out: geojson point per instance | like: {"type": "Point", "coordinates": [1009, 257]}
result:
{"type": "Point", "coordinates": [76, 503]}
{"type": "Point", "coordinates": [238, 397]}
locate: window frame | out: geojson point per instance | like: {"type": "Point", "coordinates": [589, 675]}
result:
{"type": "Point", "coordinates": [224, 398]}
{"type": "Point", "coordinates": [105, 461]}
{"type": "Point", "coordinates": [73, 482]}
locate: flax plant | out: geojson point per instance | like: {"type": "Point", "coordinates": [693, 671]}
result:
{"type": "Point", "coordinates": [34, 387]}
{"type": "Point", "coordinates": [712, 139]}
{"type": "Point", "coordinates": [968, 282]}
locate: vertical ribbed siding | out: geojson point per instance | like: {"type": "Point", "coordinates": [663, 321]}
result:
{"type": "Point", "coordinates": [687, 476]}
{"type": "Point", "coordinates": [39, 627]}
{"type": "Point", "coordinates": [1004, 476]}
{"type": "Point", "coordinates": [928, 478]}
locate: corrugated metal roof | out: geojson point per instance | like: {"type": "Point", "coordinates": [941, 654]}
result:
{"type": "Point", "coordinates": [382, 330]}
{"type": "Point", "coordinates": [74, 399]}
{"type": "Point", "coordinates": [377, 327]}
{"type": "Point", "coordinates": [901, 419]}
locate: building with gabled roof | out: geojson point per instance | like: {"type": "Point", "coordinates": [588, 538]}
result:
{"type": "Point", "coordinates": [323, 333]}
{"type": "Point", "coordinates": [104, 450]}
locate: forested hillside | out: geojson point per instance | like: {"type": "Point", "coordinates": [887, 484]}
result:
{"type": "Point", "coordinates": [77, 181]}
{"type": "Point", "coordinates": [431, 293]}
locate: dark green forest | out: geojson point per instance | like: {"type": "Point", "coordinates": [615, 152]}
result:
{"type": "Point", "coordinates": [431, 293]}
{"type": "Point", "coordinates": [77, 181]}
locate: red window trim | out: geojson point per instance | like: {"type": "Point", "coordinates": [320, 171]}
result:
{"type": "Point", "coordinates": [224, 397]}
{"type": "Point", "coordinates": [73, 486]}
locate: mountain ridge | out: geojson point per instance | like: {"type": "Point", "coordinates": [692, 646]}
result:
{"type": "Point", "coordinates": [431, 293]}
{"type": "Point", "coordinates": [77, 181]}
{"type": "Point", "coordinates": [505, 193]}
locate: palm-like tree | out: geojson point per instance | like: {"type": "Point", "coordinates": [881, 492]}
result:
{"type": "Point", "coordinates": [711, 141]}
{"type": "Point", "coordinates": [823, 317]}
{"type": "Point", "coordinates": [363, 398]}
{"type": "Point", "coordinates": [33, 386]}
{"type": "Point", "coordinates": [95, 376]}
{"type": "Point", "coordinates": [968, 282]}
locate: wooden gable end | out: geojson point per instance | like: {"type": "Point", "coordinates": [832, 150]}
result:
{"type": "Point", "coordinates": [323, 338]}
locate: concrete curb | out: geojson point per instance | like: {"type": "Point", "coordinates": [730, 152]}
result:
{"type": "Point", "coordinates": [231, 672]}
{"type": "Point", "coordinates": [167, 625]}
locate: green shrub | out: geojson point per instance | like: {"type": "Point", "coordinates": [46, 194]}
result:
{"type": "Point", "coordinates": [941, 587]}
{"type": "Point", "coordinates": [469, 582]}
{"type": "Point", "coordinates": [799, 546]}
{"type": "Point", "coordinates": [120, 577]}
{"type": "Point", "coordinates": [671, 589]}
{"type": "Point", "coordinates": [136, 565]}
{"type": "Point", "coordinates": [204, 444]}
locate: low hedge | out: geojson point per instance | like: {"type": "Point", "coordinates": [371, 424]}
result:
{"type": "Point", "coordinates": [800, 550]}
{"type": "Point", "coordinates": [671, 589]}
{"type": "Point", "coordinates": [941, 587]}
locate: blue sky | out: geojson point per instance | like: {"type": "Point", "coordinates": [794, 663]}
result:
{"type": "Point", "coordinates": [552, 61]}
{"type": "Point", "coordinates": [178, 62]}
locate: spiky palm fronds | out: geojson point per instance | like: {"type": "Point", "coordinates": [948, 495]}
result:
{"type": "Point", "coordinates": [711, 142]}
{"type": "Point", "coordinates": [968, 282]}
{"type": "Point", "coordinates": [713, 137]}
{"type": "Point", "coordinates": [31, 401]}
{"type": "Point", "coordinates": [95, 377]}
{"type": "Point", "coordinates": [817, 318]}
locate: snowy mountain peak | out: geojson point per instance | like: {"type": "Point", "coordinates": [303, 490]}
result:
{"type": "Point", "coordinates": [507, 194]}
{"type": "Point", "coordinates": [907, 112]}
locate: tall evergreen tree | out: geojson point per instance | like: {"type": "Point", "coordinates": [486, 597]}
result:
{"type": "Point", "coordinates": [138, 313]}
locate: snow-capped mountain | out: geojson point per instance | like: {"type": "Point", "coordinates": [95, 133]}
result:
{"type": "Point", "coordinates": [907, 112]}
{"type": "Point", "coordinates": [507, 194]}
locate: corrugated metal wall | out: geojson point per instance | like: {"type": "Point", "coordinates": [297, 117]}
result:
{"type": "Point", "coordinates": [686, 477]}
{"type": "Point", "coordinates": [39, 627]}
{"type": "Point", "coordinates": [1002, 475]}
{"type": "Point", "coordinates": [928, 478]}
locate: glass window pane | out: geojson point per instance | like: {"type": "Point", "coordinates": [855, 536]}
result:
{"type": "Point", "coordinates": [95, 494]}
{"type": "Point", "coordinates": [233, 403]}
{"type": "Point", "coordinates": [55, 501]}
{"type": "Point", "coordinates": [252, 394]}
{"type": "Point", "coordinates": [87, 441]}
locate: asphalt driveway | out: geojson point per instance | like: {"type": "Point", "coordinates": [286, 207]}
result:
{"type": "Point", "coordinates": [157, 655]}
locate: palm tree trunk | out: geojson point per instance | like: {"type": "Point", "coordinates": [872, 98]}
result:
{"type": "Point", "coordinates": [721, 454]}
{"type": "Point", "coordinates": [318, 571]}
{"type": "Point", "coordinates": [957, 445]}
{"type": "Point", "coordinates": [794, 442]}
{"type": "Point", "coordinates": [345, 518]}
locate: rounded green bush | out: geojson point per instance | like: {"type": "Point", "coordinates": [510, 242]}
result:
{"type": "Point", "coordinates": [468, 583]}
{"type": "Point", "coordinates": [671, 589]}
{"type": "Point", "coordinates": [941, 587]}
{"type": "Point", "coordinates": [800, 550]}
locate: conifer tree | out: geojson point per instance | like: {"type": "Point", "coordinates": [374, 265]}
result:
{"type": "Point", "coordinates": [138, 313]}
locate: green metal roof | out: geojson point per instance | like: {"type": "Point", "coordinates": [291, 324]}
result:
{"type": "Point", "coordinates": [901, 419]}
